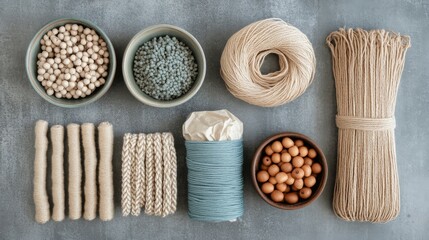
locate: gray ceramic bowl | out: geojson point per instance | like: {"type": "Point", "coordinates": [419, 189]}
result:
{"type": "Point", "coordinates": [146, 35]}
{"type": "Point", "coordinates": [31, 65]}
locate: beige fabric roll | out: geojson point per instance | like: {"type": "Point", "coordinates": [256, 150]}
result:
{"type": "Point", "coordinates": [105, 171]}
{"type": "Point", "coordinates": [58, 195]}
{"type": "Point", "coordinates": [40, 196]}
{"type": "Point", "coordinates": [75, 171]}
{"type": "Point", "coordinates": [90, 189]}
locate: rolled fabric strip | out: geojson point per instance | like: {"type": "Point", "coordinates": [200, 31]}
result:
{"type": "Point", "coordinates": [75, 171]}
{"type": "Point", "coordinates": [90, 189]}
{"type": "Point", "coordinates": [105, 171]}
{"type": "Point", "coordinates": [40, 196]}
{"type": "Point", "coordinates": [58, 195]}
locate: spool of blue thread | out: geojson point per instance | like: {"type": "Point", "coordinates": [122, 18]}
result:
{"type": "Point", "coordinates": [215, 180]}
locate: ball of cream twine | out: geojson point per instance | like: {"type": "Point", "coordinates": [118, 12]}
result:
{"type": "Point", "coordinates": [244, 55]}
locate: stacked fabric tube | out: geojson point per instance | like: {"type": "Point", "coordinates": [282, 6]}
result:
{"type": "Point", "coordinates": [103, 196]}
{"type": "Point", "coordinates": [149, 174]}
{"type": "Point", "coordinates": [214, 157]}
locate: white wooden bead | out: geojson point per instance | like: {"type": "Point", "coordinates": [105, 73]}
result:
{"type": "Point", "coordinates": [91, 86]}
{"type": "Point", "coordinates": [50, 91]}
{"type": "Point", "coordinates": [46, 65]}
{"type": "Point", "coordinates": [58, 95]}
{"type": "Point", "coordinates": [93, 66]}
{"type": "Point", "coordinates": [40, 78]}
{"type": "Point", "coordinates": [68, 26]}
{"type": "Point", "coordinates": [86, 81]}
{"type": "Point", "coordinates": [84, 89]}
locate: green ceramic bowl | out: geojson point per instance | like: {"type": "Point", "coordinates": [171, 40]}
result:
{"type": "Point", "coordinates": [31, 65]}
{"type": "Point", "coordinates": [146, 35]}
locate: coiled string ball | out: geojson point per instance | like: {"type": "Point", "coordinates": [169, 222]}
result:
{"type": "Point", "coordinates": [245, 53]}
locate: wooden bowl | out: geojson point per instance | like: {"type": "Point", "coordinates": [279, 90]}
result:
{"type": "Point", "coordinates": [321, 177]}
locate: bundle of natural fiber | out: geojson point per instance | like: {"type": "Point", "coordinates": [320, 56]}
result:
{"type": "Point", "coordinates": [367, 67]}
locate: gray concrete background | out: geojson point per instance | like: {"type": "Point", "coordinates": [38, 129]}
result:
{"type": "Point", "coordinates": [212, 23]}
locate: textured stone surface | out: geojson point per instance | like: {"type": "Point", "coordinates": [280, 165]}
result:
{"type": "Point", "coordinates": [212, 23]}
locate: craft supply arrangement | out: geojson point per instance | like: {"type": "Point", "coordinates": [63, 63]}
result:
{"type": "Point", "coordinates": [72, 62]}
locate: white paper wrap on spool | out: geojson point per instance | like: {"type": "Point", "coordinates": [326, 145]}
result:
{"type": "Point", "coordinates": [218, 125]}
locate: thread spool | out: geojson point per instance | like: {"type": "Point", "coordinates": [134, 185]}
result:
{"type": "Point", "coordinates": [215, 181]}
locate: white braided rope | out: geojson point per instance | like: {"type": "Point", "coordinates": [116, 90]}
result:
{"type": "Point", "coordinates": [135, 177]}
{"type": "Point", "coordinates": [150, 175]}
{"type": "Point", "coordinates": [173, 174]}
{"type": "Point", "coordinates": [167, 146]}
{"type": "Point", "coordinates": [157, 147]}
{"type": "Point", "coordinates": [141, 149]}
{"type": "Point", "coordinates": [126, 175]}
